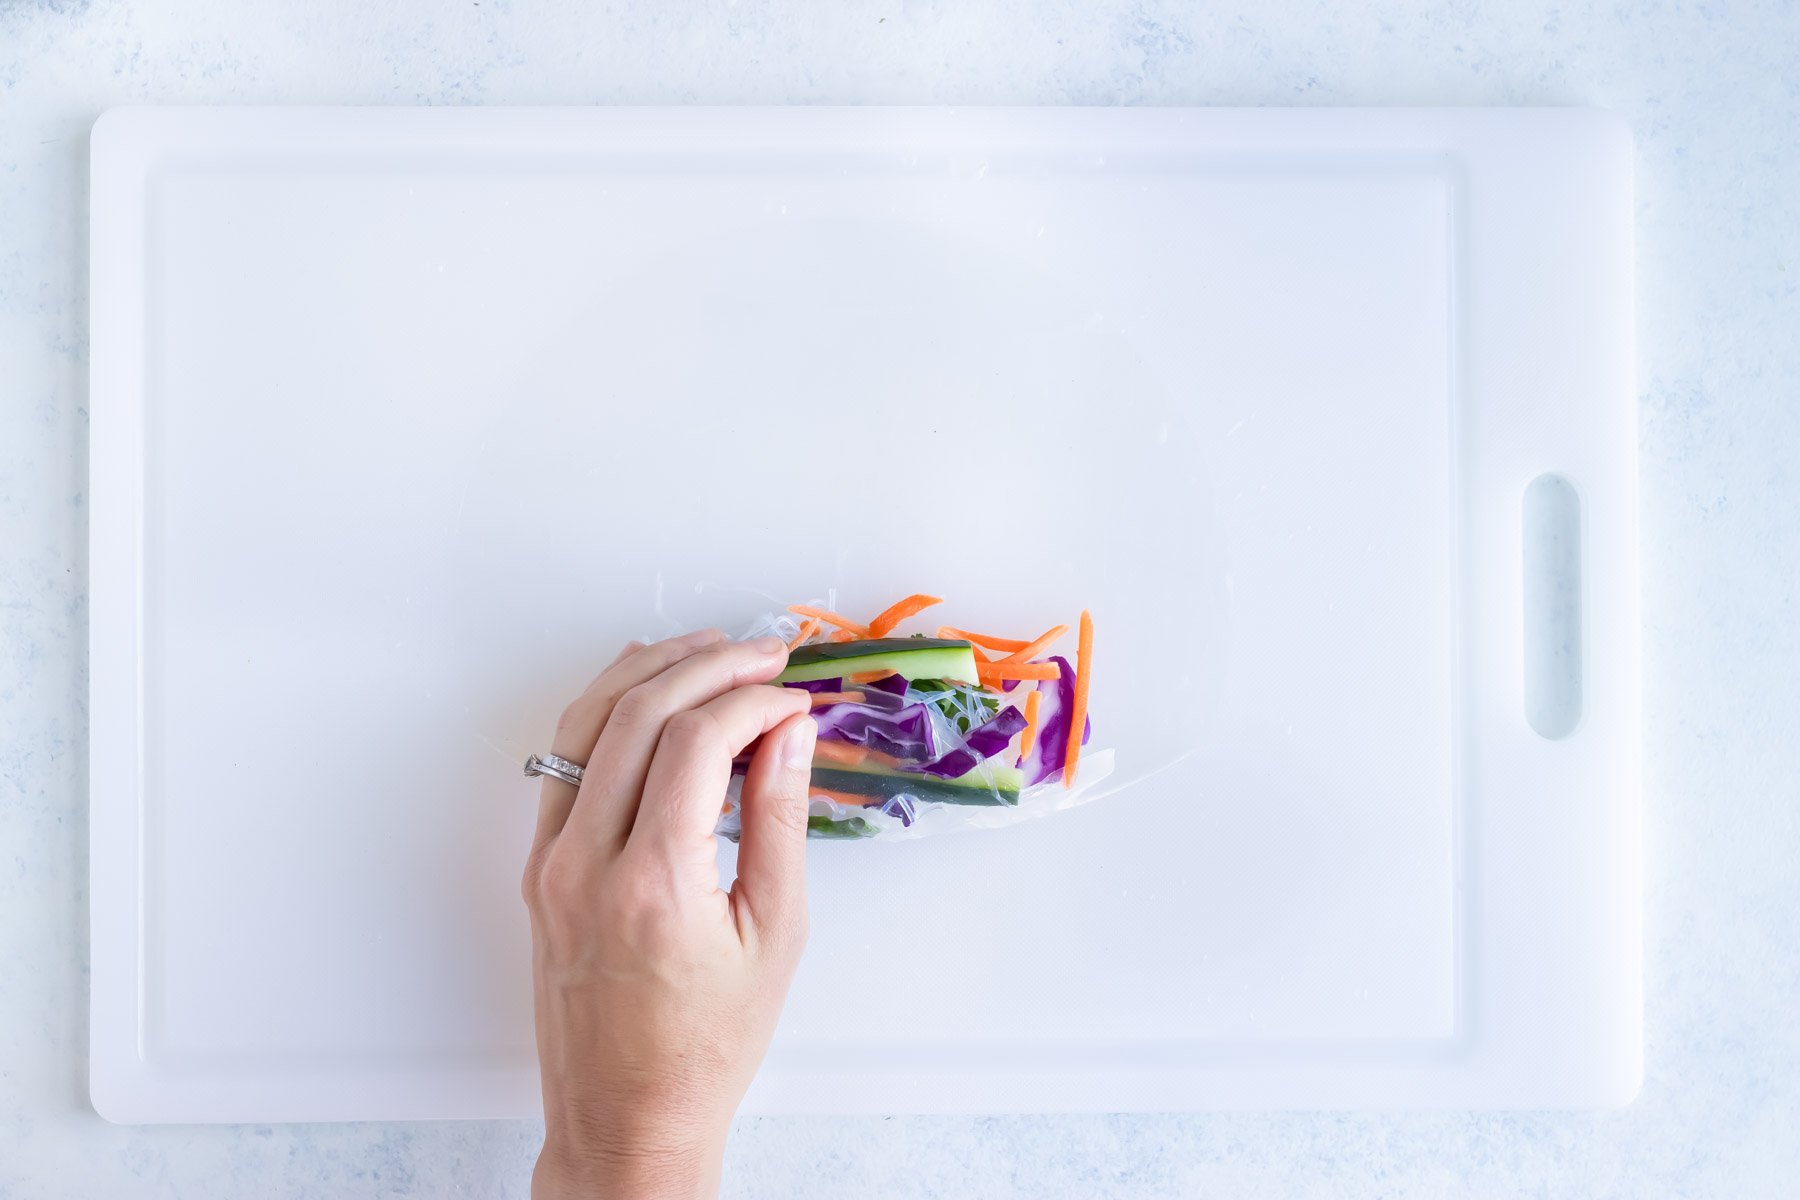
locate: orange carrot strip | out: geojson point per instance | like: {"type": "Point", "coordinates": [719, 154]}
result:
{"type": "Point", "coordinates": [899, 611]}
{"type": "Point", "coordinates": [844, 798]}
{"type": "Point", "coordinates": [1028, 739]}
{"type": "Point", "coordinates": [841, 635]}
{"type": "Point", "coordinates": [867, 676]}
{"type": "Point", "coordinates": [1015, 670]}
{"type": "Point", "coordinates": [822, 698]}
{"type": "Point", "coordinates": [833, 751]}
{"type": "Point", "coordinates": [808, 628]}
{"type": "Point", "coordinates": [1004, 645]}
{"type": "Point", "coordinates": [1035, 648]}
{"type": "Point", "coordinates": [830, 618]}
{"type": "Point", "coordinates": [842, 753]}
{"type": "Point", "coordinates": [1084, 664]}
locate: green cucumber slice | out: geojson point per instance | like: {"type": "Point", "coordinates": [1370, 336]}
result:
{"type": "Point", "coordinates": [849, 827]}
{"type": "Point", "coordinates": [913, 658]}
{"type": "Point", "coordinates": [987, 784]}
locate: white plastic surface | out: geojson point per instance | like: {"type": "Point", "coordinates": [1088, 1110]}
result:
{"type": "Point", "coordinates": [403, 420]}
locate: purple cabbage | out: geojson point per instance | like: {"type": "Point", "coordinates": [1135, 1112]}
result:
{"type": "Point", "coordinates": [1056, 698]}
{"type": "Point", "coordinates": [874, 695]}
{"type": "Point", "coordinates": [882, 720]}
{"type": "Point", "coordinates": [885, 721]}
{"type": "Point", "coordinates": [993, 735]}
{"type": "Point", "coordinates": [817, 685]}
{"type": "Point", "coordinates": [901, 806]}
{"type": "Point", "coordinates": [903, 730]}
{"type": "Point", "coordinates": [895, 685]}
{"type": "Point", "coordinates": [885, 701]}
{"type": "Point", "coordinates": [983, 742]}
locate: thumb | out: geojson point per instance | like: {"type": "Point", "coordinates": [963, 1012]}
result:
{"type": "Point", "coordinates": [770, 892]}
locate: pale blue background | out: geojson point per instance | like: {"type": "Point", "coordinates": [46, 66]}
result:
{"type": "Point", "coordinates": [1713, 91]}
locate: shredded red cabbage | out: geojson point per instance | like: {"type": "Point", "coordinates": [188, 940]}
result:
{"type": "Point", "coordinates": [982, 743]}
{"type": "Point", "coordinates": [875, 695]}
{"type": "Point", "coordinates": [1056, 697]}
{"type": "Point", "coordinates": [901, 806]}
{"type": "Point", "coordinates": [817, 685]}
{"type": "Point", "coordinates": [903, 731]}
{"type": "Point", "coordinates": [895, 684]}
{"type": "Point", "coordinates": [886, 721]}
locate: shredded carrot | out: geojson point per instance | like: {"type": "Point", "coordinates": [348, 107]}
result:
{"type": "Point", "coordinates": [844, 798]}
{"type": "Point", "coordinates": [1028, 739]}
{"type": "Point", "coordinates": [899, 611]}
{"type": "Point", "coordinates": [808, 628]}
{"type": "Point", "coordinates": [1084, 665]}
{"type": "Point", "coordinates": [1037, 647]}
{"type": "Point", "coordinates": [1004, 645]}
{"type": "Point", "coordinates": [830, 618]}
{"type": "Point", "coordinates": [830, 750]}
{"type": "Point", "coordinates": [819, 699]}
{"type": "Point", "coordinates": [843, 753]}
{"type": "Point", "coordinates": [841, 635]}
{"type": "Point", "coordinates": [1015, 670]}
{"type": "Point", "coordinates": [867, 676]}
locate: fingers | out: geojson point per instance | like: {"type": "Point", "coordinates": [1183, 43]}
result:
{"type": "Point", "coordinates": [631, 648]}
{"type": "Point", "coordinates": [692, 765]}
{"type": "Point", "coordinates": [580, 725]}
{"type": "Point", "coordinates": [620, 762]}
{"type": "Point", "coordinates": [770, 893]}
{"type": "Point", "coordinates": [582, 721]}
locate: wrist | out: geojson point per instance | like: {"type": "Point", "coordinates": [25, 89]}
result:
{"type": "Point", "coordinates": [571, 1171]}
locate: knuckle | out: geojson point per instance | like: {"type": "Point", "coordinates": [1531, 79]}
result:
{"type": "Point", "coordinates": [731, 653]}
{"type": "Point", "coordinates": [637, 900]}
{"type": "Point", "coordinates": [644, 908]}
{"type": "Point", "coordinates": [636, 706]}
{"type": "Point", "coordinates": [691, 728]}
{"type": "Point", "coordinates": [531, 879]}
{"type": "Point", "coordinates": [747, 664]}
{"type": "Point", "coordinates": [561, 884]}
{"type": "Point", "coordinates": [791, 815]}
{"type": "Point", "coordinates": [577, 716]}
{"type": "Point", "coordinates": [672, 652]}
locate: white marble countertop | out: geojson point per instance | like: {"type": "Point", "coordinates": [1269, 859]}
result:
{"type": "Point", "coordinates": [1714, 96]}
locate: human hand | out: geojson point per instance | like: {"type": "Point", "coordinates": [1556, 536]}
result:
{"type": "Point", "coordinates": [656, 993]}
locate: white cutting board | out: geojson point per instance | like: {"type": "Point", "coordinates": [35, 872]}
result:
{"type": "Point", "coordinates": [403, 420]}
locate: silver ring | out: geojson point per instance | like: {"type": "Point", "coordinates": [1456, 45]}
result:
{"type": "Point", "coordinates": [556, 768]}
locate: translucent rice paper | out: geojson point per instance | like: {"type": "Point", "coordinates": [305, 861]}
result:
{"type": "Point", "coordinates": [906, 814]}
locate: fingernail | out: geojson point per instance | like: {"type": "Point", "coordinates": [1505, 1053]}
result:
{"type": "Point", "coordinates": [768, 644]}
{"type": "Point", "coordinates": [797, 747]}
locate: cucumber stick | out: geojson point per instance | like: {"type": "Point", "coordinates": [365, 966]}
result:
{"type": "Point", "coordinates": [849, 827]}
{"type": "Point", "coordinates": [986, 784]}
{"type": "Point", "coordinates": [913, 658]}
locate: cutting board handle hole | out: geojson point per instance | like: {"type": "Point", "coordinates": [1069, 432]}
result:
{"type": "Point", "coordinates": [1552, 581]}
